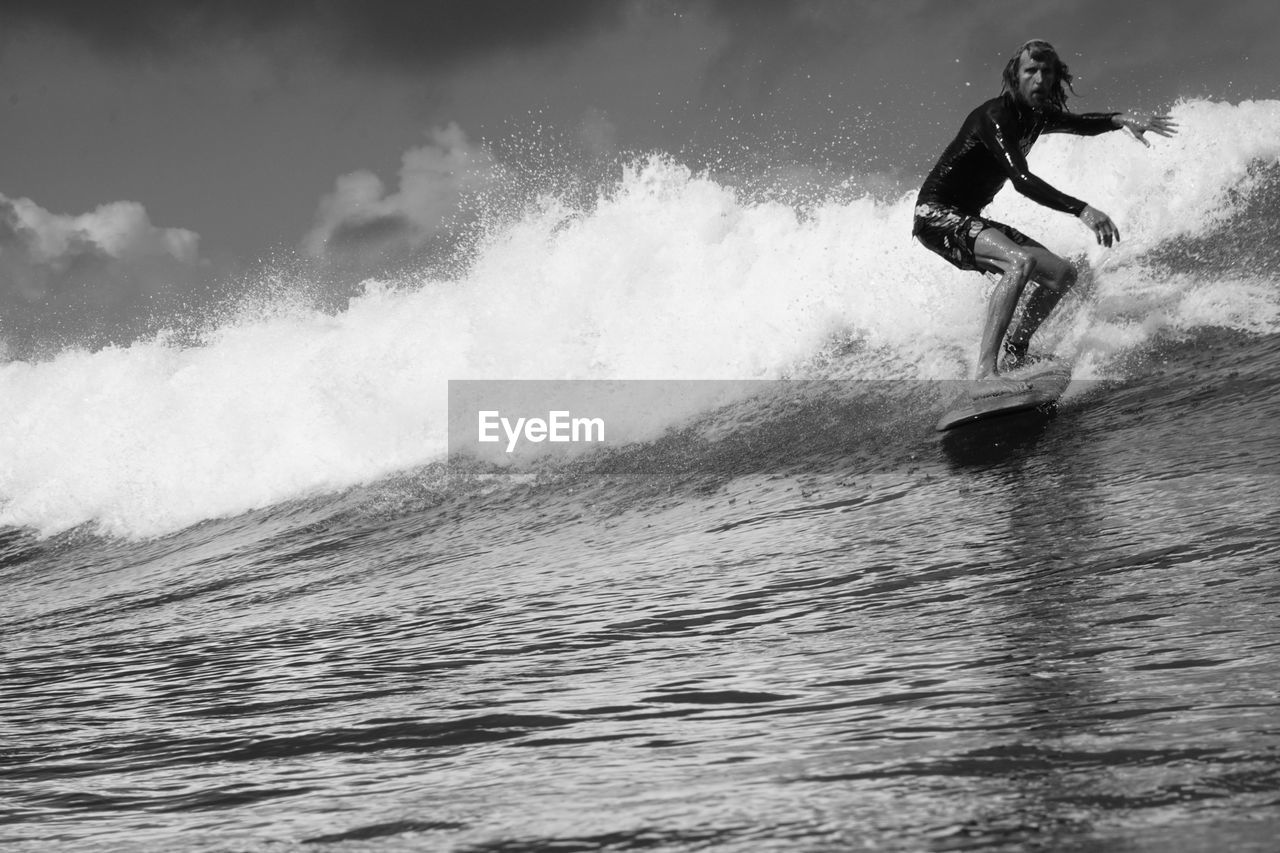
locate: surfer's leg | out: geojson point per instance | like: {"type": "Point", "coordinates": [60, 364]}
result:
{"type": "Point", "coordinates": [1054, 276]}
{"type": "Point", "coordinates": [1016, 265]}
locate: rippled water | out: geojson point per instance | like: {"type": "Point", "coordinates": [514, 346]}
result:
{"type": "Point", "coordinates": [1063, 635]}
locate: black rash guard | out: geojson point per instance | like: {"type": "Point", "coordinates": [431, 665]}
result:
{"type": "Point", "coordinates": [992, 147]}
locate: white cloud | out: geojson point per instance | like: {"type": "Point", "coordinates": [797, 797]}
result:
{"type": "Point", "coordinates": [97, 272]}
{"type": "Point", "coordinates": [120, 229]}
{"type": "Point", "coordinates": [360, 218]}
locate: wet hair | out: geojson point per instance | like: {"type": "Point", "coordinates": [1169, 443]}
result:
{"type": "Point", "coordinates": [1041, 51]}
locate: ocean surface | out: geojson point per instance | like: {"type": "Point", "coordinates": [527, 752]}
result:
{"type": "Point", "coordinates": [250, 605]}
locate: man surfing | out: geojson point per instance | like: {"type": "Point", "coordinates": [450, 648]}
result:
{"type": "Point", "coordinates": [990, 149]}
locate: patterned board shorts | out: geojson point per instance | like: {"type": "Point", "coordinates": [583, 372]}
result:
{"type": "Point", "coordinates": [951, 232]}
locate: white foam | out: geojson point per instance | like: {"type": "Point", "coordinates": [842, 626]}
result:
{"type": "Point", "coordinates": [670, 276]}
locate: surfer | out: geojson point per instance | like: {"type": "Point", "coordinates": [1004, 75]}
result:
{"type": "Point", "coordinates": [990, 149]}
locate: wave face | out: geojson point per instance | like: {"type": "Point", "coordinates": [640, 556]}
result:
{"type": "Point", "coordinates": [667, 274]}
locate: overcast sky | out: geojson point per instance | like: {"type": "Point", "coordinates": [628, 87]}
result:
{"type": "Point", "coordinates": [243, 125]}
{"type": "Point", "coordinates": [233, 119]}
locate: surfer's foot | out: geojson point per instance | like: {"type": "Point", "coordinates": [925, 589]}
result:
{"type": "Point", "coordinates": [993, 385]}
{"type": "Point", "coordinates": [1017, 356]}
{"type": "Point", "coordinates": [1010, 364]}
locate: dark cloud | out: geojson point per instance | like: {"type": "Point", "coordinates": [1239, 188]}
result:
{"type": "Point", "coordinates": [376, 232]}
{"type": "Point", "coordinates": [765, 38]}
{"type": "Point", "coordinates": [372, 31]}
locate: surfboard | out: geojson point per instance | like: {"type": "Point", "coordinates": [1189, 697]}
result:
{"type": "Point", "coordinates": [1047, 381]}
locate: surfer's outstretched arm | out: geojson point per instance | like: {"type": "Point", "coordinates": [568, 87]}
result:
{"type": "Point", "coordinates": [1138, 126]}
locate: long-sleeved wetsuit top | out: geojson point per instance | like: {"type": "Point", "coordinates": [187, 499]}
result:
{"type": "Point", "coordinates": [992, 147]}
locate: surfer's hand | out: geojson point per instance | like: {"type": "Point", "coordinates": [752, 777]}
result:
{"type": "Point", "coordinates": [1138, 126]}
{"type": "Point", "coordinates": [1101, 225]}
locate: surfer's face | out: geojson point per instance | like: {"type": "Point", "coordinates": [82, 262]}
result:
{"type": "Point", "coordinates": [1036, 78]}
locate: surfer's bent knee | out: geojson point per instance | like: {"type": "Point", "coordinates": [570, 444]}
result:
{"type": "Point", "coordinates": [1068, 278]}
{"type": "Point", "coordinates": [1023, 266]}
{"type": "Point", "coordinates": [1063, 278]}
